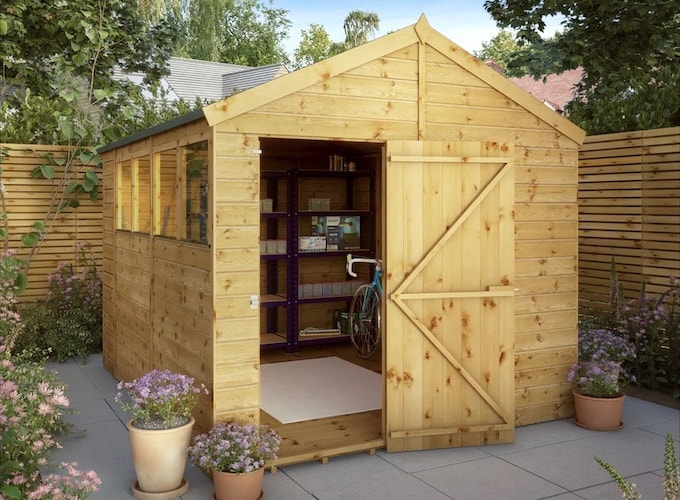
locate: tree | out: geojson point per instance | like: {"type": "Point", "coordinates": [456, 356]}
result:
{"type": "Point", "coordinates": [359, 26]}
{"type": "Point", "coordinates": [315, 45]}
{"type": "Point", "coordinates": [204, 20]}
{"type": "Point", "coordinates": [82, 39]}
{"type": "Point", "coordinates": [253, 34]}
{"type": "Point", "coordinates": [499, 48]}
{"type": "Point", "coordinates": [626, 48]}
{"type": "Point", "coordinates": [58, 60]}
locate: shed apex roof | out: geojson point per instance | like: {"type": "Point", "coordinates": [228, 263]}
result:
{"type": "Point", "coordinates": [420, 32]}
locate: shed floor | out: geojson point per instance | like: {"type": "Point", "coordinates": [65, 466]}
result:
{"type": "Point", "coordinates": [321, 439]}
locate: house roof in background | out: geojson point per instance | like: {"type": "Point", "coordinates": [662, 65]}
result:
{"type": "Point", "coordinates": [208, 80]}
{"type": "Point", "coordinates": [251, 77]}
{"type": "Point", "coordinates": [557, 89]}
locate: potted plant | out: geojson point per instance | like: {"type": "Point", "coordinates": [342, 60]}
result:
{"type": "Point", "coordinates": [161, 403]}
{"type": "Point", "coordinates": [600, 377]}
{"type": "Point", "coordinates": [236, 455]}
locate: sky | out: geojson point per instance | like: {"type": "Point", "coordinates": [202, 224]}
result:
{"type": "Point", "coordinates": [465, 22]}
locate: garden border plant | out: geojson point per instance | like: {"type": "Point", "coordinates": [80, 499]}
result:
{"type": "Point", "coordinates": [69, 322]}
{"type": "Point", "coordinates": [651, 324]}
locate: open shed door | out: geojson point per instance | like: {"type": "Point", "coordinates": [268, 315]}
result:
{"type": "Point", "coordinates": [449, 294]}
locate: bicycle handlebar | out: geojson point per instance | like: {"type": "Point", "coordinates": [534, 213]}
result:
{"type": "Point", "coordinates": [352, 260]}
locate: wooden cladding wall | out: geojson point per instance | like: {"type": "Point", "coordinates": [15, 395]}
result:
{"type": "Point", "coordinates": [380, 101]}
{"type": "Point", "coordinates": [28, 200]}
{"type": "Point", "coordinates": [158, 301]}
{"type": "Point", "coordinates": [236, 350]}
{"type": "Point", "coordinates": [629, 209]}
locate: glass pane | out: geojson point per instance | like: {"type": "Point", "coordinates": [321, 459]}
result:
{"type": "Point", "coordinates": [124, 196]}
{"type": "Point", "coordinates": [143, 196]}
{"type": "Point", "coordinates": [195, 157]}
{"type": "Point", "coordinates": [166, 193]}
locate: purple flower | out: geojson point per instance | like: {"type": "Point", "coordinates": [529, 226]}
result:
{"type": "Point", "coordinates": [160, 399]}
{"type": "Point", "coordinates": [599, 372]}
{"type": "Point", "coordinates": [233, 447]}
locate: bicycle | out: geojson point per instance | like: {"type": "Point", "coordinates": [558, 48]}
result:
{"type": "Point", "coordinates": [364, 310]}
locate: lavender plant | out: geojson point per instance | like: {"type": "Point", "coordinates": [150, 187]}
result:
{"type": "Point", "coordinates": [600, 372]}
{"type": "Point", "coordinates": [236, 448]}
{"type": "Point", "coordinates": [160, 399]}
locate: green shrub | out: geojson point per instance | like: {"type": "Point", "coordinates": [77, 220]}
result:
{"type": "Point", "coordinates": [69, 322]}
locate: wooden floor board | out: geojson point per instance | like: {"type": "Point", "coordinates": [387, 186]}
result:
{"type": "Point", "coordinates": [321, 439]}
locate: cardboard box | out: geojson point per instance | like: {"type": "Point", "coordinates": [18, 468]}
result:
{"type": "Point", "coordinates": [281, 246]}
{"type": "Point", "coordinates": [333, 236]}
{"type": "Point", "coordinates": [266, 205]}
{"type": "Point", "coordinates": [312, 243]}
{"type": "Point", "coordinates": [349, 234]}
{"type": "Point", "coordinates": [272, 247]}
{"type": "Point", "coordinates": [318, 225]}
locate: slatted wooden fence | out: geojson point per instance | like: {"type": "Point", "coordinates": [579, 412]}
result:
{"type": "Point", "coordinates": [629, 209]}
{"type": "Point", "coordinates": [28, 200]}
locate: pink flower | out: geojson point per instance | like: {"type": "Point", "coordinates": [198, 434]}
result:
{"type": "Point", "coordinates": [45, 409]}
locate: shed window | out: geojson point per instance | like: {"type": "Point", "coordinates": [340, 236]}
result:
{"type": "Point", "coordinates": [133, 206]}
{"type": "Point", "coordinates": [181, 196]}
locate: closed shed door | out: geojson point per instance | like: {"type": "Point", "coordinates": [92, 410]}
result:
{"type": "Point", "coordinates": [449, 294]}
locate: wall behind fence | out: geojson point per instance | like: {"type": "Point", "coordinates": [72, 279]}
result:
{"type": "Point", "coordinates": [629, 209]}
{"type": "Point", "coordinates": [28, 200]}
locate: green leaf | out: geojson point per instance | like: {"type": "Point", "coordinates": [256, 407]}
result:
{"type": "Point", "coordinates": [91, 175]}
{"type": "Point", "coordinates": [47, 171]}
{"type": "Point", "coordinates": [20, 282]}
{"type": "Point", "coordinates": [29, 240]}
{"type": "Point", "coordinates": [79, 59]}
{"type": "Point", "coordinates": [3, 27]}
{"type": "Point", "coordinates": [88, 185]}
{"type": "Point", "coordinates": [74, 203]}
{"type": "Point", "coordinates": [67, 130]}
{"type": "Point", "coordinates": [100, 94]}
{"type": "Point", "coordinates": [3, 233]}
{"type": "Point", "coordinates": [71, 95]}
{"type": "Point", "coordinates": [71, 187]}
{"type": "Point", "coordinates": [93, 195]}
{"type": "Point", "coordinates": [38, 226]}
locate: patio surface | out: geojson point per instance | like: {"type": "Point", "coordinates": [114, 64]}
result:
{"type": "Point", "coordinates": [548, 460]}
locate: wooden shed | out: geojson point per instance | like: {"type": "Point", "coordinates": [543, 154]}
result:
{"type": "Point", "coordinates": [465, 186]}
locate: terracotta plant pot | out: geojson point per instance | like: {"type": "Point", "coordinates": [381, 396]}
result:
{"type": "Point", "coordinates": [159, 458]}
{"type": "Point", "coordinates": [598, 414]}
{"type": "Point", "coordinates": [231, 486]}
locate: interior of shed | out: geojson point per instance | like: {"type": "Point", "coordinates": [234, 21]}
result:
{"type": "Point", "coordinates": [320, 200]}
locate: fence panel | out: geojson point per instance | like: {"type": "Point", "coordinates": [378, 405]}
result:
{"type": "Point", "coordinates": [28, 200]}
{"type": "Point", "coordinates": [629, 209]}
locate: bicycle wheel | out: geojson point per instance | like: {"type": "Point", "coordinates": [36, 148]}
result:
{"type": "Point", "coordinates": [364, 321]}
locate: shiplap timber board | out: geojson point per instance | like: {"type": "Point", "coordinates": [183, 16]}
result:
{"type": "Point", "coordinates": [526, 304]}
{"type": "Point", "coordinates": [541, 376]}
